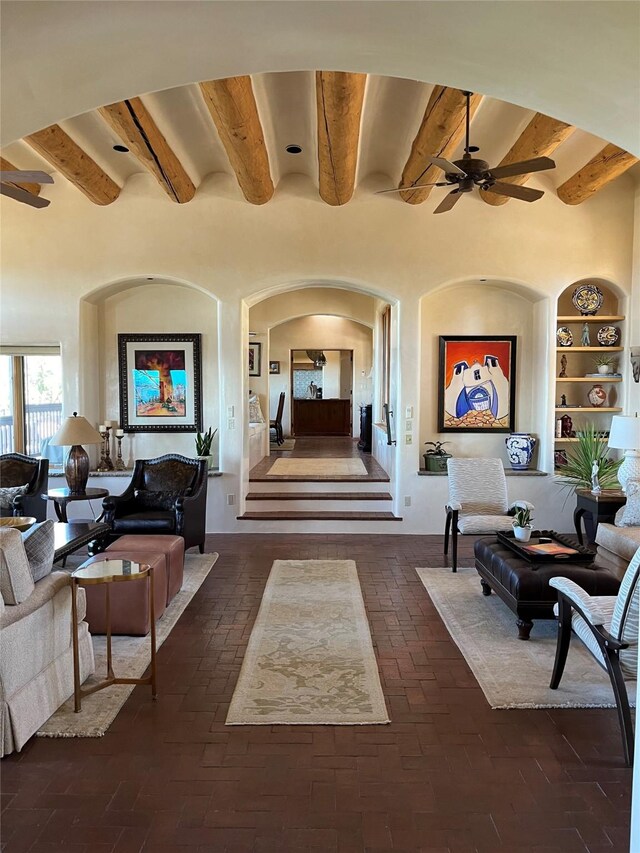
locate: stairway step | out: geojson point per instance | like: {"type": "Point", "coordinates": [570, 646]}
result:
{"type": "Point", "coordinates": [318, 516]}
{"type": "Point", "coordinates": [299, 487]}
{"type": "Point", "coordinates": [319, 496]}
{"type": "Point", "coordinates": [266, 478]}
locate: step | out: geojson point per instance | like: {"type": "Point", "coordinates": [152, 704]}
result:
{"type": "Point", "coordinates": [298, 486]}
{"type": "Point", "coordinates": [315, 501]}
{"type": "Point", "coordinates": [313, 515]}
{"type": "Point", "coordinates": [319, 496]}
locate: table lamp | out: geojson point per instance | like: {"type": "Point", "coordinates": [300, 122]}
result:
{"type": "Point", "coordinates": [625, 435]}
{"type": "Point", "coordinates": [75, 432]}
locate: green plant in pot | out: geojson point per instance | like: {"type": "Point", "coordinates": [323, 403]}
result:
{"type": "Point", "coordinates": [590, 447]}
{"type": "Point", "coordinates": [435, 459]}
{"type": "Point", "coordinates": [204, 440]}
{"type": "Point", "coordinates": [605, 363]}
{"type": "Point", "coordinates": [521, 523]}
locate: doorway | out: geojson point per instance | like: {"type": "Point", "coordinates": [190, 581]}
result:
{"type": "Point", "coordinates": [321, 392]}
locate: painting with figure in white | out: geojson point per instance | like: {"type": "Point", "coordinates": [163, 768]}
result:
{"type": "Point", "coordinates": [477, 384]}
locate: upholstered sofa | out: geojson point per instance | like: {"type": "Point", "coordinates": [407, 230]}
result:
{"type": "Point", "coordinates": [17, 470]}
{"type": "Point", "coordinates": [36, 664]}
{"type": "Point", "coordinates": [616, 546]}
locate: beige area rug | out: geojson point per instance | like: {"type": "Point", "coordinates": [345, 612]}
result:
{"type": "Point", "coordinates": [513, 673]}
{"type": "Point", "coordinates": [131, 656]}
{"type": "Point", "coordinates": [299, 466]}
{"type": "Point", "coordinates": [289, 444]}
{"type": "Point", "coordinates": [310, 658]}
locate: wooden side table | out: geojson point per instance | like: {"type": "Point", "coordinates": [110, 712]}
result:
{"type": "Point", "coordinates": [596, 508]}
{"type": "Point", "coordinates": [108, 572]}
{"type": "Point", "coordinates": [62, 497]}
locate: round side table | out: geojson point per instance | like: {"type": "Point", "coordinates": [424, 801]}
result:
{"type": "Point", "coordinates": [108, 572]}
{"type": "Point", "coordinates": [62, 497]}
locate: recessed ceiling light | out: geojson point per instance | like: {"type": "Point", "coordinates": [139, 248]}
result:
{"type": "Point", "coordinates": [294, 149]}
{"type": "Point", "coordinates": [149, 278]}
{"type": "Point", "coordinates": [121, 148]}
{"type": "Point", "coordinates": [483, 279]}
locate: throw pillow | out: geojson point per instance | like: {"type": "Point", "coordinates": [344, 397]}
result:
{"type": "Point", "coordinates": [16, 583]}
{"type": "Point", "coordinates": [39, 546]}
{"type": "Point", "coordinates": [255, 413]}
{"type": "Point", "coordinates": [8, 493]}
{"type": "Point", "coordinates": [629, 515]}
{"type": "Point", "coordinates": [149, 499]}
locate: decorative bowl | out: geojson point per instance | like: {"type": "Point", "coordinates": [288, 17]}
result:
{"type": "Point", "coordinates": [20, 522]}
{"type": "Point", "coordinates": [564, 336]}
{"type": "Point", "coordinates": [588, 299]}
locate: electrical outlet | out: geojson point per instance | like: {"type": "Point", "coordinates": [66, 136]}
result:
{"type": "Point", "coordinates": [408, 427]}
{"type": "Point", "coordinates": [231, 499]}
{"type": "Point", "coordinates": [407, 500]}
{"type": "Point", "coordinates": [231, 423]}
{"type": "Point", "coordinates": [408, 439]}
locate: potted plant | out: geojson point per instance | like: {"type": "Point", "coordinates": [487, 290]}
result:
{"type": "Point", "coordinates": [522, 519]}
{"type": "Point", "coordinates": [204, 441]}
{"type": "Point", "coordinates": [435, 459]}
{"type": "Point", "coordinates": [590, 447]}
{"type": "Point", "coordinates": [605, 363]}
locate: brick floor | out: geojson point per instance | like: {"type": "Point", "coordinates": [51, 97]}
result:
{"type": "Point", "coordinates": [448, 774]}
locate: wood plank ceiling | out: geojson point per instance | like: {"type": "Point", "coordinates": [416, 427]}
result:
{"type": "Point", "coordinates": [349, 127]}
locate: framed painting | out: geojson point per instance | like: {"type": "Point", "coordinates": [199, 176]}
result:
{"type": "Point", "coordinates": [160, 386]}
{"type": "Point", "coordinates": [274, 367]}
{"type": "Point", "coordinates": [254, 359]}
{"type": "Point", "coordinates": [477, 384]}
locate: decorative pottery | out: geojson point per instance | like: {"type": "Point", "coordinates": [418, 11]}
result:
{"type": "Point", "coordinates": [604, 369]}
{"type": "Point", "coordinates": [522, 534]}
{"type": "Point", "coordinates": [597, 396]}
{"type": "Point", "coordinates": [564, 336]}
{"type": "Point", "coordinates": [567, 427]}
{"type": "Point", "coordinates": [436, 462]}
{"type": "Point", "coordinates": [520, 447]}
{"type": "Point", "coordinates": [20, 522]}
{"type": "Point", "coordinates": [588, 299]}
{"type": "Point", "coordinates": [608, 336]}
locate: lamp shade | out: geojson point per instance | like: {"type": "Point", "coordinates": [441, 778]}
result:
{"type": "Point", "coordinates": [76, 430]}
{"type": "Point", "coordinates": [625, 432]}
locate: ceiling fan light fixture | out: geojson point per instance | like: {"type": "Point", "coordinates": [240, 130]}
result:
{"type": "Point", "coordinates": [293, 149]}
{"type": "Point", "coordinates": [121, 149]}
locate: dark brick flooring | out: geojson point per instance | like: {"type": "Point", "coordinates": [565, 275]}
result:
{"type": "Point", "coordinates": [448, 774]}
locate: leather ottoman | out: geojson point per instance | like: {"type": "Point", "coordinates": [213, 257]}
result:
{"type": "Point", "coordinates": [136, 546]}
{"type": "Point", "coordinates": [129, 601]}
{"type": "Point", "coordinates": [524, 586]}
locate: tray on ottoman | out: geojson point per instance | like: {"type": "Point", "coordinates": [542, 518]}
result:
{"type": "Point", "coordinates": [547, 546]}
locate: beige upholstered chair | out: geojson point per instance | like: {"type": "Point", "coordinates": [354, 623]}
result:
{"type": "Point", "coordinates": [608, 627]}
{"type": "Point", "coordinates": [477, 501]}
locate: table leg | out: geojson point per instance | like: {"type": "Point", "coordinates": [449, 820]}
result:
{"type": "Point", "coordinates": [61, 511]}
{"type": "Point", "coordinates": [74, 639]}
{"type": "Point", "coordinates": [577, 518]}
{"type": "Point", "coordinates": [486, 589]}
{"type": "Point", "coordinates": [108, 619]}
{"type": "Point", "coordinates": [524, 628]}
{"type": "Point", "coordinates": [152, 612]}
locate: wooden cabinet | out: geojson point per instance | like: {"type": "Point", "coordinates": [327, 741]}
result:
{"type": "Point", "coordinates": [322, 417]}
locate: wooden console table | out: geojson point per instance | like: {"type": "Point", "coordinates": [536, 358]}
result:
{"type": "Point", "coordinates": [322, 417]}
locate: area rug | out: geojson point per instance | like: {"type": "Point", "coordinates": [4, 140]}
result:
{"type": "Point", "coordinates": [289, 444]}
{"type": "Point", "coordinates": [310, 658]}
{"type": "Point", "coordinates": [131, 656]}
{"type": "Point", "coordinates": [513, 673]}
{"type": "Point", "coordinates": [299, 466]}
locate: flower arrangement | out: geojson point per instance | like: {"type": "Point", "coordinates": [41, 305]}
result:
{"type": "Point", "coordinates": [435, 459]}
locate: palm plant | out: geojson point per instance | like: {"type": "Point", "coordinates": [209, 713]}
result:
{"type": "Point", "coordinates": [589, 448]}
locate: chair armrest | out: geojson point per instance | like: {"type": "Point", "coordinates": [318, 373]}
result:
{"type": "Point", "coordinates": [579, 598]}
{"type": "Point", "coordinates": [453, 506]}
{"type": "Point", "coordinates": [522, 504]}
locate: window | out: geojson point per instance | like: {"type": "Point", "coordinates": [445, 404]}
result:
{"type": "Point", "coordinates": [30, 398]}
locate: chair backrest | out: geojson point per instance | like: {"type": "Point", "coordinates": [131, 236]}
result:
{"type": "Point", "coordinates": [624, 622]}
{"type": "Point", "coordinates": [170, 473]}
{"type": "Point", "coordinates": [479, 485]}
{"type": "Point", "coordinates": [16, 469]}
{"type": "Point", "coordinates": [280, 408]}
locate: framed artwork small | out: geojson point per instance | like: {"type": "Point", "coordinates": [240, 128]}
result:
{"type": "Point", "coordinates": [255, 350]}
{"type": "Point", "coordinates": [274, 367]}
{"type": "Point", "coordinates": [477, 384]}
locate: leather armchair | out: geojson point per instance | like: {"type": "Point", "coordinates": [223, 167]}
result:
{"type": "Point", "coordinates": [16, 469]}
{"type": "Point", "coordinates": [166, 495]}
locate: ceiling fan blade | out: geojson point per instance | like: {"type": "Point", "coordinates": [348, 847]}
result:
{"type": "Point", "coordinates": [514, 191]}
{"type": "Point", "coordinates": [416, 187]}
{"type": "Point", "coordinates": [19, 194]}
{"type": "Point", "coordinates": [19, 176]}
{"type": "Point", "coordinates": [447, 166]}
{"type": "Point", "coordinates": [448, 201]}
{"type": "Point", "coordinates": [537, 164]}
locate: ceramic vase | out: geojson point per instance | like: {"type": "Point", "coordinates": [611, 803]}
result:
{"type": "Point", "coordinates": [520, 447]}
{"type": "Point", "coordinates": [522, 534]}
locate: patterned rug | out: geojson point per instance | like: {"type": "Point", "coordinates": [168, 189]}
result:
{"type": "Point", "coordinates": [131, 656]}
{"type": "Point", "coordinates": [513, 673]}
{"type": "Point", "coordinates": [310, 658]}
{"type": "Point", "coordinates": [300, 466]}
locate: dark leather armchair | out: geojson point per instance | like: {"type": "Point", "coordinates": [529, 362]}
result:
{"type": "Point", "coordinates": [166, 495]}
{"type": "Point", "coordinates": [16, 469]}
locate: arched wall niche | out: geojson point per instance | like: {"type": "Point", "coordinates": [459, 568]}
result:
{"type": "Point", "coordinates": [139, 305]}
{"type": "Point", "coordinates": [494, 307]}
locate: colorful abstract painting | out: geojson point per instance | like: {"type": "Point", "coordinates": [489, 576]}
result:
{"type": "Point", "coordinates": [160, 383]}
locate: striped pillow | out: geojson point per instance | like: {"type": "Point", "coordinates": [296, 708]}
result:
{"type": "Point", "coordinates": [39, 546]}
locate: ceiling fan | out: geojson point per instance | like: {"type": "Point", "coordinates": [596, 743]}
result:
{"type": "Point", "coordinates": [9, 179]}
{"type": "Point", "coordinates": [469, 172]}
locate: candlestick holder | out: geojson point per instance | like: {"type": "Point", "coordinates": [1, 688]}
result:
{"type": "Point", "coordinates": [102, 465]}
{"type": "Point", "coordinates": [107, 450]}
{"type": "Point", "coordinates": [119, 464]}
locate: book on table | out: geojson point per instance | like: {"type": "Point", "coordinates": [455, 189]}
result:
{"type": "Point", "coordinates": [554, 549]}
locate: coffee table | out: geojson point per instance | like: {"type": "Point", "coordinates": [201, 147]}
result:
{"type": "Point", "coordinates": [69, 536]}
{"type": "Point", "coordinates": [524, 585]}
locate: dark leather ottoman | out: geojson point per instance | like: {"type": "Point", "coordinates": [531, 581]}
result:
{"type": "Point", "coordinates": [524, 586]}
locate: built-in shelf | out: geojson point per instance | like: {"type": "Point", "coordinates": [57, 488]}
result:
{"type": "Point", "coordinates": [589, 349]}
{"type": "Point", "coordinates": [603, 318]}
{"type": "Point", "coordinates": [602, 377]}
{"type": "Point", "coordinates": [588, 409]}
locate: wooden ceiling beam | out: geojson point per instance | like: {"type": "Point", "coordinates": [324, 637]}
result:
{"type": "Point", "coordinates": [540, 138]}
{"type": "Point", "coordinates": [6, 166]}
{"type": "Point", "coordinates": [605, 167]}
{"type": "Point", "coordinates": [233, 109]}
{"type": "Point", "coordinates": [440, 133]}
{"type": "Point", "coordinates": [70, 160]}
{"type": "Point", "coordinates": [339, 98]}
{"type": "Point", "coordinates": [138, 131]}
